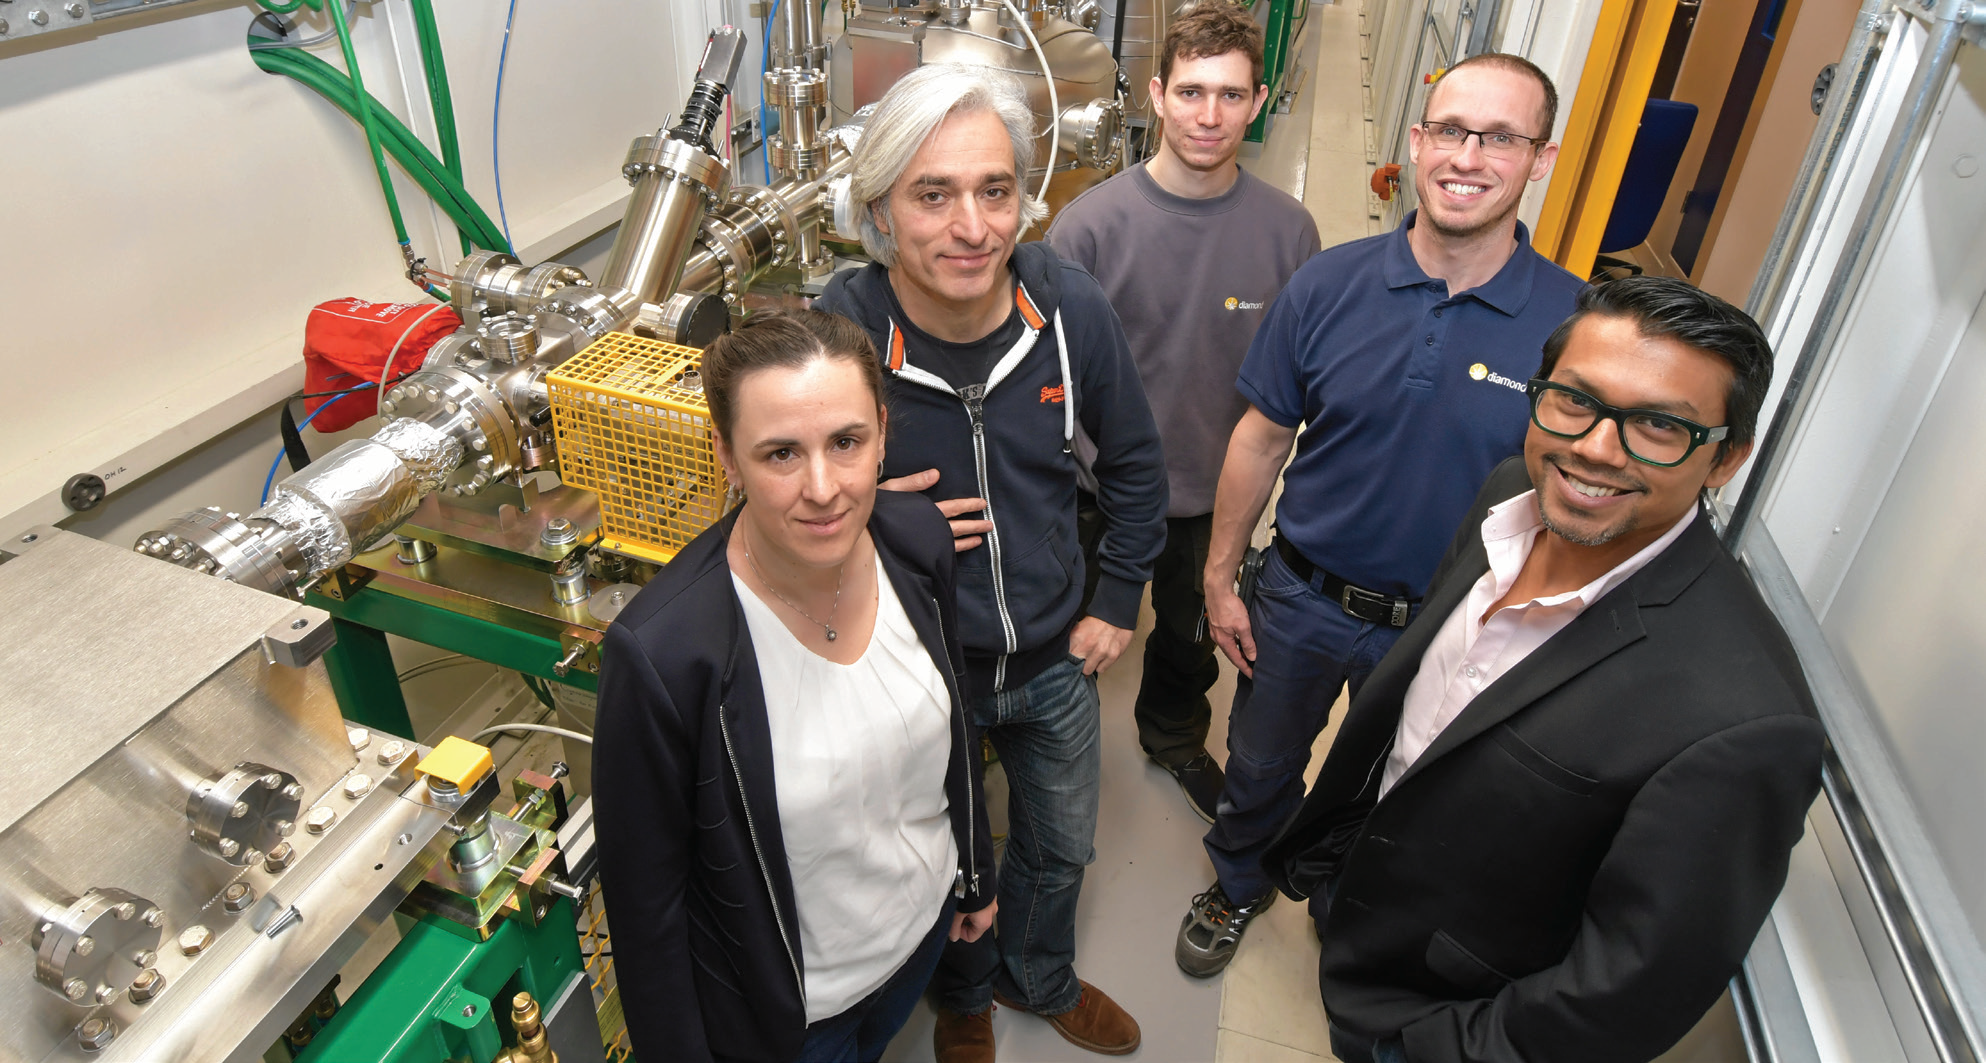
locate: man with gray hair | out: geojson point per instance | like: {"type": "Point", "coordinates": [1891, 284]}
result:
{"type": "Point", "coordinates": [995, 351]}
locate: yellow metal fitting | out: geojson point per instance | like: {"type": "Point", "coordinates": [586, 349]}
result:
{"type": "Point", "coordinates": [458, 761]}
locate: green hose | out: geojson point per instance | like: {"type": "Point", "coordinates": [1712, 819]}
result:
{"type": "Point", "coordinates": [439, 95]}
{"type": "Point", "coordinates": [365, 101]}
{"type": "Point", "coordinates": [420, 164]}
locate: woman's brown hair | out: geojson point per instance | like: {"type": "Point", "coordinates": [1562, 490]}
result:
{"type": "Point", "coordinates": [783, 339]}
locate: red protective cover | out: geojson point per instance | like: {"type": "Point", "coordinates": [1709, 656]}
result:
{"type": "Point", "coordinates": [345, 344]}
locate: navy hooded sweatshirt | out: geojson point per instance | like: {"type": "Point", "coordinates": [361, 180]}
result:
{"type": "Point", "coordinates": [1008, 441]}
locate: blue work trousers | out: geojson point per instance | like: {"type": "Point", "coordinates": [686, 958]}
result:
{"type": "Point", "coordinates": [1047, 734]}
{"type": "Point", "coordinates": [1307, 648]}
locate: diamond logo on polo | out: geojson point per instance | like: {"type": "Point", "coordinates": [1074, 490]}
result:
{"type": "Point", "coordinates": [1479, 371]}
{"type": "Point", "coordinates": [1242, 304]}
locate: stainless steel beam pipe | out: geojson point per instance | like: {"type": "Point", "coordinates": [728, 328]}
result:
{"type": "Point", "coordinates": [1920, 107]}
{"type": "Point", "coordinates": [674, 183]}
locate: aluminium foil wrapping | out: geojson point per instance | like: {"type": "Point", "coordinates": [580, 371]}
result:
{"type": "Point", "coordinates": [320, 536]}
{"type": "Point", "coordinates": [429, 453]}
{"type": "Point", "coordinates": [348, 500]}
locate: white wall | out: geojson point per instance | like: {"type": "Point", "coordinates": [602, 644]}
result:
{"type": "Point", "coordinates": [174, 213]}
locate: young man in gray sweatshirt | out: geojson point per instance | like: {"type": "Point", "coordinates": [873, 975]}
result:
{"type": "Point", "coordinates": [1191, 251]}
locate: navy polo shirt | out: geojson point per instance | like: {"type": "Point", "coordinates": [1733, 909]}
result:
{"type": "Point", "coordinates": [1409, 397]}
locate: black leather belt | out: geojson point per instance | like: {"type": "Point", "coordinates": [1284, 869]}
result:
{"type": "Point", "coordinates": [1369, 606]}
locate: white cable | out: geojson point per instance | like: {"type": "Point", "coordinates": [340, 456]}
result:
{"type": "Point", "coordinates": [560, 731]}
{"type": "Point", "coordinates": [387, 369]}
{"type": "Point", "coordinates": [1054, 102]}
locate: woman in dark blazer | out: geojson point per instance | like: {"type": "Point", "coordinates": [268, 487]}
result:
{"type": "Point", "coordinates": [788, 799]}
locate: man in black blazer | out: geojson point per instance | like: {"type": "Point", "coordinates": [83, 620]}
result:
{"type": "Point", "coordinates": [1555, 817]}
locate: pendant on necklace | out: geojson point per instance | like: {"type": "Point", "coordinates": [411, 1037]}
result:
{"type": "Point", "coordinates": [831, 636]}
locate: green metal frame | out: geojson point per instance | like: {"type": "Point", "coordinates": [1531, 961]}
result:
{"type": "Point", "coordinates": [361, 665]}
{"type": "Point", "coordinates": [441, 995]}
{"type": "Point", "coordinates": [1278, 39]}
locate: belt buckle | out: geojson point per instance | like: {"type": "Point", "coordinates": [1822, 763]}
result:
{"type": "Point", "coordinates": [1394, 609]}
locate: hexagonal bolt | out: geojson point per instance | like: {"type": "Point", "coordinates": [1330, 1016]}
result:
{"type": "Point", "coordinates": [251, 857]}
{"type": "Point", "coordinates": [194, 940]}
{"type": "Point", "coordinates": [281, 855]}
{"type": "Point", "coordinates": [237, 897]}
{"type": "Point", "coordinates": [286, 827]}
{"type": "Point", "coordinates": [480, 443]}
{"type": "Point", "coordinates": [274, 779]}
{"type": "Point", "coordinates": [75, 989]}
{"type": "Point", "coordinates": [85, 945]}
{"type": "Point", "coordinates": [95, 1035]}
{"type": "Point", "coordinates": [39, 18]}
{"type": "Point", "coordinates": [106, 993]}
{"type": "Point", "coordinates": [392, 751]}
{"type": "Point", "coordinates": [149, 983]}
{"type": "Point", "coordinates": [320, 819]}
{"type": "Point", "coordinates": [358, 785]}
{"type": "Point", "coordinates": [152, 917]}
{"type": "Point", "coordinates": [293, 791]}
{"type": "Point", "coordinates": [229, 847]}
{"type": "Point", "coordinates": [359, 737]}
{"type": "Point", "coordinates": [239, 810]}
{"type": "Point", "coordinates": [144, 957]}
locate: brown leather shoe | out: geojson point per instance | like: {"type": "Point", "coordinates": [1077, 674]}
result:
{"type": "Point", "coordinates": [1096, 1023]}
{"type": "Point", "coordinates": [963, 1038]}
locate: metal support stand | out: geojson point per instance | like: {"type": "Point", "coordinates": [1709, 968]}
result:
{"type": "Point", "coordinates": [443, 995]}
{"type": "Point", "coordinates": [360, 667]}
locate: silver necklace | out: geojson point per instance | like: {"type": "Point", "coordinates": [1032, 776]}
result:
{"type": "Point", "coordinates": [828, 625]}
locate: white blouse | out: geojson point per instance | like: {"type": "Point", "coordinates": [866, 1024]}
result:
{"type": "Point", "coordinates": [859, 755]}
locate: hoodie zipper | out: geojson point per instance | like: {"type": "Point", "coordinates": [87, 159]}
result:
{"type": "Point", "coordinates": [965, 759]}
{"type": "Point", "coordinates": [974, 398]}
{"type": "Point", "coordinates": [779, 920]}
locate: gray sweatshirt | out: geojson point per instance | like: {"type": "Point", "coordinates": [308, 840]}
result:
{"type": "Point", "coordinates": [1191, 279]}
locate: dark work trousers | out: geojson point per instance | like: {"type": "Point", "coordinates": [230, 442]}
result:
{"type": "Point", "coordinates": [1172, 708]}
{"type": "Point", "coordinates": [1307, 649]}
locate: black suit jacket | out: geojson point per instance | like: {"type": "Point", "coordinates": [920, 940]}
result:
{"type": "Point", "coordinates": [1578, 864]}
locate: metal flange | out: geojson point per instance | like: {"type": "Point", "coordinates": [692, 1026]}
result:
{"type": "Point", "coordinates": [253, 552]}
{"type": "Point", "coordinates": [240, 814]}
{"type": "Point", "coordinates": [92, 950]}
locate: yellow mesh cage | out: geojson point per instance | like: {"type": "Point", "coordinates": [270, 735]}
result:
{"type": "Point", "coordinates": [633, 427]}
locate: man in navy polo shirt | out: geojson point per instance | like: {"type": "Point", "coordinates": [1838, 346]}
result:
{"type": "Point", "coordinates": [1403, 357]}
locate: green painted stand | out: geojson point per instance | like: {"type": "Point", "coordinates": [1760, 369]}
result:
{"type": "Point", "coordinates": [361, 665]}
{"type": "Point", "coordinates": [442, 995]}
{"type": "Point", "coordinates": [1279, 20]}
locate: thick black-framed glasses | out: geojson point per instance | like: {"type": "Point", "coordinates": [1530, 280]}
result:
{"type": "Point", "coordinates": [1649, 436]}
{"type": "Point", "coordinates": [1495, 144]}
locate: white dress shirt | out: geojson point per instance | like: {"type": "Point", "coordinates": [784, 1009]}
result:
{"type": "Point", "coordinates": [1467, 654]}
{"type": "Point", "coordinates": [859, 754]}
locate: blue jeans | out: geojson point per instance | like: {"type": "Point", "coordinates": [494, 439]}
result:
{"type": "Point", "coordinates": [1306, 648]}
{"type": "Point", "coordinates": [1047, 734]}
{"type": "Point", "coordinates": [864, 1030]}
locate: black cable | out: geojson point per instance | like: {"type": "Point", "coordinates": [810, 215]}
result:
{"type": "Point", "coordinates": [293, 438]}
{"type": "Point", "coordinates": [1116, 41]}
{"type": "Point", "coordinates": [293, 446]}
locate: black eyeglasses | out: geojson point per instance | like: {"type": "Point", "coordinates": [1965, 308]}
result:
{"type": "Point", "coordinates": [1649, 436]}
{"type": "Point", "coordinates": [1495, 144]}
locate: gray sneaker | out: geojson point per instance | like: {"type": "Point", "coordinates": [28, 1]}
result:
{"type": "Point", "coordinates": [1212, 931]}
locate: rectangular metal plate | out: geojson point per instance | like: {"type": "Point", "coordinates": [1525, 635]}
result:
{"type": "Point", "coordinates": [89, 632]}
